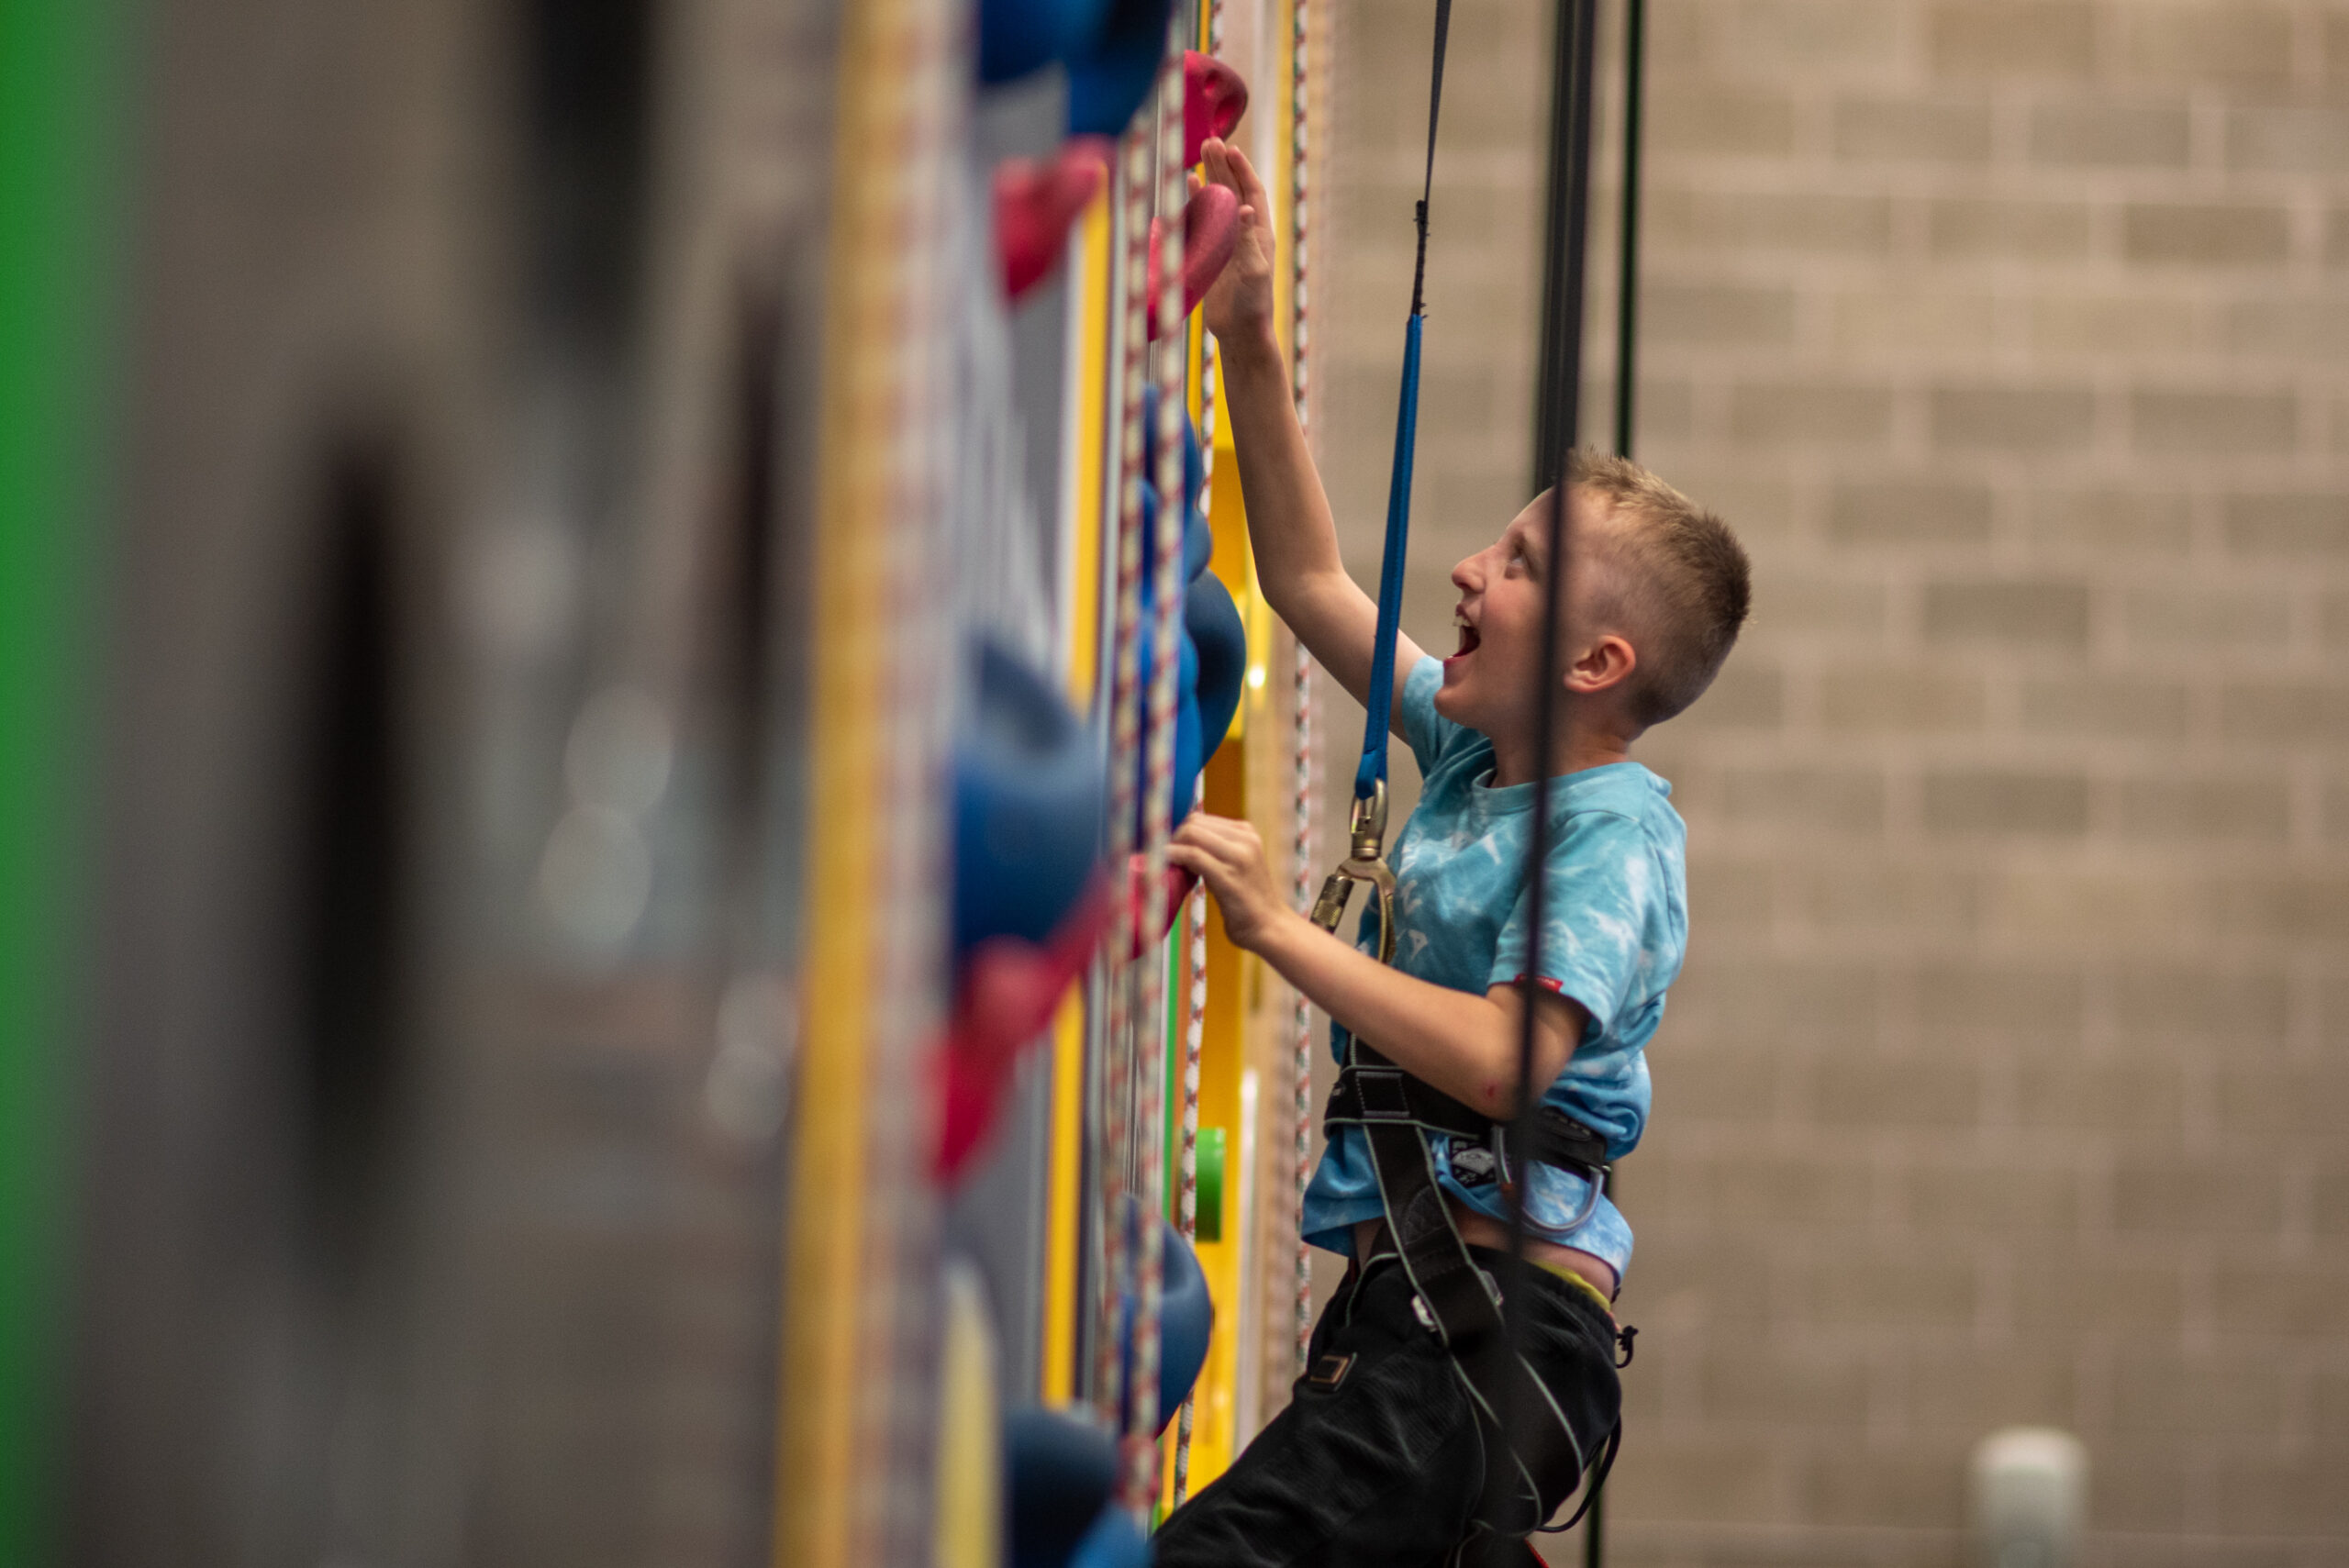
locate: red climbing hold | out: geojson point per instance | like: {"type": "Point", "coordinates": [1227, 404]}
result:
{"type": "Point", "coordinates": [1214, 98]}
{"type": "Point", "coordinates": [1210, 229]}
{"type": "Point", "coordinates": [1005, 991]}
{"type": "Point", "coordinates": [1034, 205]}
{"type": "Point", "coordinates": [1173, 886]}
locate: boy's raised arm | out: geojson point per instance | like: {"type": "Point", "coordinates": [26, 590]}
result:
{"type": "Point", "coordinates": [1289, 524]}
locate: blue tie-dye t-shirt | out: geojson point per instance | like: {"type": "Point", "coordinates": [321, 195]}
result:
{"type": "Point", "coordinates": [1617, 924]}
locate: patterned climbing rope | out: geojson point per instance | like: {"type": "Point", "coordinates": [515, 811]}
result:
{"type": "Point", "coordinates": [1301, 838]}
{"type": "Point", "coordinates": [1132, 213]}
{"type": "Point", "coordinates": [1158, 779]}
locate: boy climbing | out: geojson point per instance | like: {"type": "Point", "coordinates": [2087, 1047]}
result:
{"type": "Point", "coordinates": [1392, 1448]}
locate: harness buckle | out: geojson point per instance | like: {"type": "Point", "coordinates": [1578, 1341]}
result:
{"type": "Point", "coordinates": [1366, 863]}
{"type": "Point", "coordinates": [1380, 1093]}
{"type": "Point", "coordinates": [1594, 1173]}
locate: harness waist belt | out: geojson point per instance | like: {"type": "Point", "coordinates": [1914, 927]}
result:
{"type": "Point", "coordinates": [1365, 1095]}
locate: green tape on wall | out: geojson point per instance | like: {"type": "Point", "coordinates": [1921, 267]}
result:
{"type": "Point", "coordinates": [1212, 1183]}
{"type": "Point", "coordinates": [58, 119]}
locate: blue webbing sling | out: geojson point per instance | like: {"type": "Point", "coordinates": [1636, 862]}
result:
{"type": "Point", "coordinates": [1366, 857]}
{"type": "Point", "coordinates": [1370, 772]}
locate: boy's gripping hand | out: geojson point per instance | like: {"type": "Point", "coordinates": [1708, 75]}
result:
{"type": "Point", "coordinates": [1227, 855]}
{"type": "Point", "coordinates": [1239, 307]}
{"type": "Point", "coordinates": [1465, 1044]}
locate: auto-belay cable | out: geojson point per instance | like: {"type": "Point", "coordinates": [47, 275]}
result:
{"type": "Point", "coordinates": [1627, 381]}
{"type": "Point", "coordinates": [1458, 1301]}
{"type": "Point", "coordinates": [1560, 424]}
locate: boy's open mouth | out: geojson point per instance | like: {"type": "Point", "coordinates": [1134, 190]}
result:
{"type": "Point", "coordinates": [1468, 638]}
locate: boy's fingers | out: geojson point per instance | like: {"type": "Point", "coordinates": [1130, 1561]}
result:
{"type": "Point", "coordinates": [1251, 189]}
{"type": "Point", "coordinates": [1197, 839]}
{"type": "Point", "coordinates": [1206, 867]}
{"type": "Point", "coordinates": [1218, 166]}
{"type": "Point", "coordinates": [1228, 830]}
{"type": "Point", "coordinates": [1213, 834]}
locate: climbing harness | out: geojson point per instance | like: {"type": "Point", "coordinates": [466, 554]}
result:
{"type": "Point", "coordinates": [1369, 1090]}
{"type": "Point", "coordinates": [1458, 1301]}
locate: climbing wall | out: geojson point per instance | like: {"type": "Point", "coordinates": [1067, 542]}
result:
{"type": "Point", "coordinates": [434, 1079]}
{"type": "Point", "coordinates": [565, 450]}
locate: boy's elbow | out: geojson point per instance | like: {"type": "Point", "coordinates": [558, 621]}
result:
{"type": "Point", "coordinates": [1279, 593]}
{"type": "Point", "coordinates": [1318, 596]}
{"type": "Point", "coordinates": [1496, 1098]}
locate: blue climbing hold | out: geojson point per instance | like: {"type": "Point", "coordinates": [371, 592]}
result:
{"type": "Point", "coordinates": [1187, 752]}
{"type": "Point", "coordinates": [1116, 1541]}
{"type": "Point", "coordinates": [1028, 805]}
{"type": "Point", "coordinates": [1213, 622]}
{"type": "Point", "coordinates": [1197, 540]}
{"type": "Point", "coordinates": [1109, 83]}
{"type": "Point", "coordinates": [1198, 546]}
{"type": "Point", "coordinates": [1059, 1472]}
{"type": "Point", "coordinates": [1016, 37]}
{"type": "Point", "coordinates": [1186, 1322]}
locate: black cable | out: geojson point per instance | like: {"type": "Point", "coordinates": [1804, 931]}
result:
{"type": "Point", "coordinates": [1426, 182]}
{"type": "Point", "coordinates": [1570, 262]}
{"type": "Point", "coordinates": [1559, 417]}
{"type": "Point", "coordinates": [1627, 304]}
{"type": "Point", "coordinates": [1559, 389]}
{"type": "Point", "coordinates": [1626, 381]}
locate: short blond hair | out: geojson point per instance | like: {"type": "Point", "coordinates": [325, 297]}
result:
{"type": "Point", "coordinates": [1682, 587]}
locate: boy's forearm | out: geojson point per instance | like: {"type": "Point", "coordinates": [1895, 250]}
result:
{"type": "Point", "coordinates": [1289, 523]}
{"type": "Point", "coordinates": [1464, 1045]}
{"type": "Point", "coordinates": [1288, 516]}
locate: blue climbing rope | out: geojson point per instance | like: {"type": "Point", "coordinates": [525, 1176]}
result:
{"type": "Point", "coordinates": [1372, 771]}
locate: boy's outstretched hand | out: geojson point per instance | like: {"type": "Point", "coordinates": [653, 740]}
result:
{"type": "Point", "coordinates": [1240, 305]}
{"type": "Point", "coordinates": [1227, 855]}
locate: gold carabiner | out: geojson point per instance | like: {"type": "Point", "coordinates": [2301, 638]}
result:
{"type": "Point", "coordinates": [1366, 862]}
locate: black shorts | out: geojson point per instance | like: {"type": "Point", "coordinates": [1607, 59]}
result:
{"type": "Point", "coordinates": [1389, 1466]}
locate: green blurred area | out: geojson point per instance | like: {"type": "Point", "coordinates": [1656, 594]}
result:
{"type": "Point", "coordinates": [59, 122]}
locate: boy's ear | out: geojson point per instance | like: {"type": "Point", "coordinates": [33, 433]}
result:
{"type": "Point", "coordinates": [1605, 666]}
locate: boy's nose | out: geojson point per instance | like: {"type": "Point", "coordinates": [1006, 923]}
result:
{"type": "Point", "coordinates": [1464, 575]}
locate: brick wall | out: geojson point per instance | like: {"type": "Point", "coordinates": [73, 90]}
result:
{"type": "Point", "coordinates": [2008, 1077]}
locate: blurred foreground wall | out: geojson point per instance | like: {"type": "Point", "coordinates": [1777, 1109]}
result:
{"type": "Point", "coordinates": [2009, 1076]}
{"type": "Point", "coordinates": [430, 1113]}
